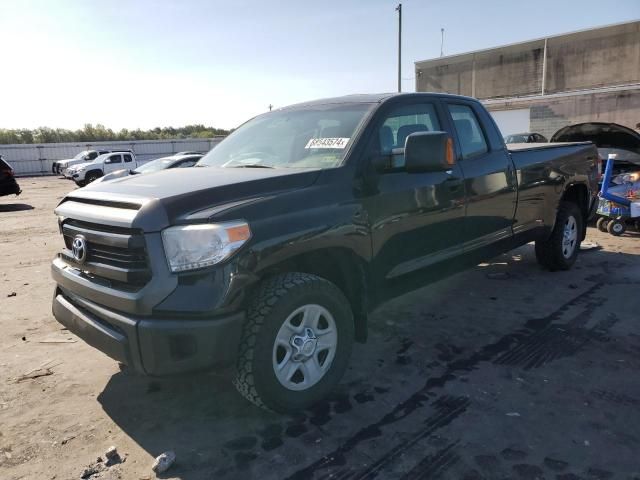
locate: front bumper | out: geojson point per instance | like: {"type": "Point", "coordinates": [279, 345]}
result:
{"type": "Point", "coordinates": [151, 345]}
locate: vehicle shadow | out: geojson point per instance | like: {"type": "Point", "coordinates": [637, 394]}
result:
{"type": "Point", "coordinates": [213, 430]}
{"type": "Point", "coordinates": [15, 207]}
{"type": "Point", "coordinates": [218, 434]}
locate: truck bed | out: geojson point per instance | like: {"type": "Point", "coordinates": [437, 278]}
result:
{"type": "Point", "coordinates": [528, 155]}
{"type": "Point", "coordinates": [518, 147]}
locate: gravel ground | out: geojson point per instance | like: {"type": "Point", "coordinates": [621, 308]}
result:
{"type": "Point", "coordinates": [503, 371]}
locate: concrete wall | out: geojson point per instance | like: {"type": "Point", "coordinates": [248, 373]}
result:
{"type": "Point", "coordinates": [595, 58]}
{"type": "Point", "coordinates": [550, 113]}
{"type": "Point", "coordinates": [501, 72]}
{"type": "Point", "coordinates": [589, 59]}
{"type": "Point", "coordinates": [37, 159]}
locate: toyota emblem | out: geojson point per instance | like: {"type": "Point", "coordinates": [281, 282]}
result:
{"type": "Point", "coordinates": [79, 248]}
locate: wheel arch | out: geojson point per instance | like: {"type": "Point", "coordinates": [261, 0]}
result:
{"type": "Point", "coordinates": [95, 170]}
{"type": "Point", "coordinates": [578, 193]}
{"type": "Point", "coordinates": [340, 266]}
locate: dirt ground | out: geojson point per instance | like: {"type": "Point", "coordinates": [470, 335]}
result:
{"type": "Point", "coordinates": [504, 371]}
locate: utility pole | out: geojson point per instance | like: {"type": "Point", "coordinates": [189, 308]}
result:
{"type": "Point", "coordinates": [399, 10]}
{"type": "Point", "coordinates": [442, 42]}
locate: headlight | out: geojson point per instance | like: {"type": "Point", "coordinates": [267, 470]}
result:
{"type": "Point", "coordinates": [626, 178]}
{"type": "Point", "coordinates": [79, 169]}
{"type": "Point", "coordinates": [196, 246]}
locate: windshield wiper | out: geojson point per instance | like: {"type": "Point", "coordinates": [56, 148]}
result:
{"type": "Point", "coordinates": [252, 165]}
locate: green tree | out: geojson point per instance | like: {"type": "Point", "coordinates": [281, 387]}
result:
{"type": "Point", "coordinates": [100, 133]}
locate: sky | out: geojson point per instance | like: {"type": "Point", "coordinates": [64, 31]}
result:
{"type": "Point", "coordinates": [156, 63]}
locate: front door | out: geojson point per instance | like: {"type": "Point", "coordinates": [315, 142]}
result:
{"type": "Point", "coordinates": [490, 182]}
{"type": "Point", "coordinates": [113, 163]}
{"type": "Point", "coordinates": [416, 219]}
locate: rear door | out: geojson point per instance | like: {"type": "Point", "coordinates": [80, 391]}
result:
{"type": "Point", "coordinates": [129, 164]}
{"type": "Point", "coordinates": [416, 219]}
{"type": "Point", "coordinates": [489, 176]}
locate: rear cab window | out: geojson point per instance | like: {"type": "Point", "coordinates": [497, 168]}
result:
{"type": "Point", "coordinates": [471, 138]}
{"type": "Point", "coordinates": [127, 158]}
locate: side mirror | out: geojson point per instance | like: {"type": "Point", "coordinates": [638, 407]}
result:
{"type": "Point", "coordinates": [428, 152]}
{"type": "Point", "coordinates": [108, 160]}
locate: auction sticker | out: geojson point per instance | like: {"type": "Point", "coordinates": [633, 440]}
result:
{"type": "Point", "coordinates": [327, 143]}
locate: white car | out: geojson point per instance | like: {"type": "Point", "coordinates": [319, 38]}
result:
{"type": "Point", "coordinates": [59, 166]}
{"type": "Point", "coordinates": [85, 173]}
{"type": "Point", "coordinates": [179, 160]}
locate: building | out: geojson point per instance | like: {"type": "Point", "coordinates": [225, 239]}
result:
{"type": "Point", "coordinates": [543, 85]}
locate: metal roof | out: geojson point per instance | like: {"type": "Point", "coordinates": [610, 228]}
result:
{"type": "Point", "coordinates": [368, 98]}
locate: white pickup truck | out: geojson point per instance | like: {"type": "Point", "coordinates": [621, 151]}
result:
{"type": "Point", "coordinates": [85, 173]}
{"type": "Point", "coordinates": [59, 166]}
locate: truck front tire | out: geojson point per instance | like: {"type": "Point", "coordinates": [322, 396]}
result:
{"type": "Point", "coordinates": [296, 342]}
{"type": "Point", "coordinates": [560, 250]}
{"type": "Point", "coordinates": [91, 176]}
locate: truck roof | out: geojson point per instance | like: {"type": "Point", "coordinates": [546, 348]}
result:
{"type": "Point", "coordinates": [372, 98]}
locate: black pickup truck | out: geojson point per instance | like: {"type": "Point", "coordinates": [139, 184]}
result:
{"type": "Point", "coordinates": [273, 250]}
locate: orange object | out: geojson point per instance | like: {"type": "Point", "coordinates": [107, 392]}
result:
{"type": "Point", "coordinates": [239, 233]}
{"type": "Point", "coordinates": [450, 158]}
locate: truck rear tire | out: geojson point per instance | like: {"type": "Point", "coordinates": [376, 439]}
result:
{"type": "Point", "coordinates": [560, 250]}
{"type": "Point", "coordinates": [296, 342]}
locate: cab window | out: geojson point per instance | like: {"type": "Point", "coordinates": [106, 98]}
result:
{"type": "Point", "coordinates": [402, 122]}
{"type": "Point", "coordinates": [127, 158]}
{"type": "Point", "coordinates": [115, 159]}
{"type": "Point", "coordinates": [470, 135]}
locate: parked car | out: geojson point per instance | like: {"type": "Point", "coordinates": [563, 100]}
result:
{"type": "Point", "coordinates": [59, 166]}
{"type": "Point", "coordinates": [8, 183]}
{"type": "Point", "coordinates": [608, 138]}
{"type": "Point", "coordinates": [85, 173]}
{"type": "Point", "coordinates": [525, 138]}
{"type": "Point", "coordinates": [175, 161]}
{"type": "Point", "coordinates": [273, 250]}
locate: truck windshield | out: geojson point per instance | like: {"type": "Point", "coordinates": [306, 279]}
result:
{"type": "Point", "coordinates": [312, 137]}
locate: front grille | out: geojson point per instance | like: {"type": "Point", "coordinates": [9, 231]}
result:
{"type": "Point", "coordinates": [114, 255]}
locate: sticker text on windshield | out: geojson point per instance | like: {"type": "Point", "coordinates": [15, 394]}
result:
{"type": "Point", "coordinates": [327, 143]}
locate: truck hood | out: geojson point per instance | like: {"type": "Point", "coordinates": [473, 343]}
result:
{"type": "Point", "coordinates": [65, 161]}
{"type": "Point", "coordinates": [154, 201]}
{"type": "Point", "coordinates": [78, 166]}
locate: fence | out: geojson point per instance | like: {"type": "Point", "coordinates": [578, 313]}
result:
{"type": "Point", "coordinates": [38, 159]}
